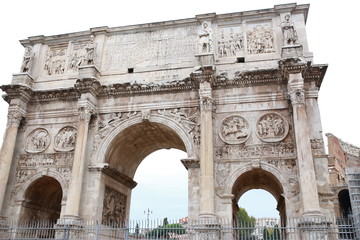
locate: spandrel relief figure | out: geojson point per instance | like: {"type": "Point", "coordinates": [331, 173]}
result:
{"type": "Point", "coordinates": [234, 130]}
{"type": "Point", "coordinates": [272, 127]}
{"type": "Point", "coordinates": [205, 38]}
{"type": "Point", "coordinates": [289, 32]}
{"type": "Point", "coordinates": [90, 51]}
{"type": "Point", "coordinates": [27, 60]}
{"type": "Point", "coordinates": [65, 139]}
{"type": "Point", "coordinates": [37, 141]}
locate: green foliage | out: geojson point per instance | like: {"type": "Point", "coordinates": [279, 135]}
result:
{"type": "Point", "coordinates": [246, 224]}
{"type": "Point", "coordinates": [166, 230]}
{"type": "Point", "coordinates": [271, 233]}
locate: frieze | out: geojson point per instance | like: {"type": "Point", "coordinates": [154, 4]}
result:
{"type": "Point", "coordinates": [37, 141]}
{"type": "Point", "coordinates": [272, 127]}
{"type": "Point", "coordinates": [283, 150]}
{"type": "Point", "coordinates": [49, 159]}
{"type": "Point", "coordinates": [234, 130]}
{"type": "Point", "coordinates": [114, 206]}
{"type": "Point", "coordinates": [65, 139]}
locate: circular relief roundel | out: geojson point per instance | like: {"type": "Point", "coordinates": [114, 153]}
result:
{"type": "Point", "coordinates": [65, 139]}
{"type": "Point", "coordinates": [37, 140]}
{"type": "Point", "coordinates": [234, 130]}
{"type": "Point", "coordinates": [272, 127]}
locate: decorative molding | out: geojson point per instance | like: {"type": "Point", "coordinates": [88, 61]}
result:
{"type": "Point", "coordinates": [191, 163]}
{"type": "Point", "coordinates": [118, 176]}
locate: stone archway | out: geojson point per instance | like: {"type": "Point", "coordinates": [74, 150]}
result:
{"type": "Point", "coordinates": [42, 201]}
{"type": "Point", "coordinates": [124, 154]}
{"type": "Point", "coordinates": [344, 203]}
{"type": "Point", "coordinates": [258, 178]}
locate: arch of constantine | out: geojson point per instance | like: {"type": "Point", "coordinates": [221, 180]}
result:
{"type": "Point", "coordinates": [237, 92]}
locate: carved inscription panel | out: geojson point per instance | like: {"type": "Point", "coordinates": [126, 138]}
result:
{"type": "Point", "coordinates": [150, 48]}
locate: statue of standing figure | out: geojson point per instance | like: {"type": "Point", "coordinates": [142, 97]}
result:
{"type": "Point", "coordinates": [289, 32]}
{"type": "Point", "coordinates": [90, 51]}
{"type": "Point", "coordinates": [27, 60]}
{"type": "Point", "coordinates": [205, 38]}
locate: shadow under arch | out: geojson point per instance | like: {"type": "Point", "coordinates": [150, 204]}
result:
{"type": "Point", "coordinates": [134, 139]}
{"type": "Point", "coordinates": [42, 200]}
{"type": "Point", "coordinates": [259, 176]}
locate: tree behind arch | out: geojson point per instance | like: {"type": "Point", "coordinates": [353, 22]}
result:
{"type": "Point", "coordinates": [246, 224]}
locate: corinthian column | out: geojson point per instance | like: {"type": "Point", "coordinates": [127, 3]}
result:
{"type": "Point", "coordinates": [75, 187]}
{"type": "Point", "coordinates": [7, 150]}
{"type": "Point", "coordinates": [307, 177]}
{"type": "Point", "coordinates": [207, 188]}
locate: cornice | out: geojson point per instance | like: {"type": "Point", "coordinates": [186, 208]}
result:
{"type": "Point", "coordinates": [17, 91]}
{"type": "Point", "coordinates": [118, 176]}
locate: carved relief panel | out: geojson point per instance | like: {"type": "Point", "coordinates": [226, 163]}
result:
{"type": "Point", "coordinates": [77, 56]}
{"type": "Point", "coordinates": [260, 38]}
{"type": "Point", "coordinates": [37, 141]}
{"type": "Point", "coordinates": [230, 42]}
{"type": "Point", "coordinates": [114, 206]}
{"type": "Point", "coordinates": [65, 139]}
{"type": "Point", "coordinates": [234, 129]}
{"type": "Point", "coordinates": [272, 127]}
{"type": "Point", "coordinates": [55, 60]}
{"type": "Point", "coordinates": [32, 164]}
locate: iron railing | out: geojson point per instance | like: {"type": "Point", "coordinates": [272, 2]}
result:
{"type": "Point", "coordinates": [262, 229]}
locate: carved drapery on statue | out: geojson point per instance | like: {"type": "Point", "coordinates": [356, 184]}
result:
{"type": "Point", "coordinates": [114, 207]}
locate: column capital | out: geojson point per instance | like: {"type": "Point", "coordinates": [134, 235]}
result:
{"type": "Point", "coordinates": [15, 115]}
{"type": "Point", "coordinates": [297, 97]}
{"type": "Point", "coordinates": [85, 113]}
{"type": "Point", "coordinates": [205, 93]}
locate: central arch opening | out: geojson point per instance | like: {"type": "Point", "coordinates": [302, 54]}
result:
{"type": "Point", "coordinates": [126, 152]}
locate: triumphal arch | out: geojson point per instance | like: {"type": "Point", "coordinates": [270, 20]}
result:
{"type": "Point", "coordinates": [237, 92]}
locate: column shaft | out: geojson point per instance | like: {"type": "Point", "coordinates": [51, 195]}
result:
{"type": "Point", "coordinates": [7, 153]}
{"type": "Point", "coordinates": [207, 187]}
{"type": "Point", "coordinates": [307, 177]}
{"type": "Point", "coordinates": [75, 187]}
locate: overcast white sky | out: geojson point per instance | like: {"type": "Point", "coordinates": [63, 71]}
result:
{"type": "Point", "coordinates": [332, 29]}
